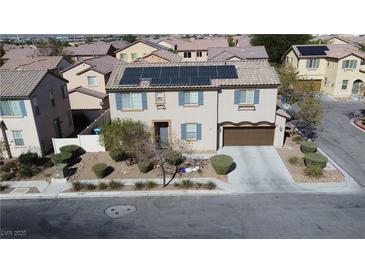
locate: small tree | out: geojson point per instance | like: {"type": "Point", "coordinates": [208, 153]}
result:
{"type": "Point", "coordinates": [129, 38]}
{"type": "Point", "coordinates": [310, 113]}
{"type": "Point", "coordinates": [231, 41]}
{"type": "Point", "coordinates": [2, 52]}
{"type": "Point", "coordinates": [289, 79]}
{"type": "Point", "coordinates": [89, 39]}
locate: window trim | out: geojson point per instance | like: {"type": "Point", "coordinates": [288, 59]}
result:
{"type": "Point", "coordinates": [190, 104]}
{"type": "Point", "coordinates": [92, 77]}
{"type": "Point", "coordinates": [11, 110]}
{"type": "Point", "coordinates": [188, 53]}
{"type": "Point", "coordinates": [195, 132]}
{"type": "Point", "coordinates": [199, 53]}
{"type": "Point", "coordinates": [247, 103]}
{"type": "Point", "coordinates": [134, 54]}
{"type": "Point", "coordinates": [131, 101]}
{"type": "Point", "coordinates": [342, 84]}
{"type": "Point", "coordinates": [15, 139]}
{"type": "Point", "coordinates": [164, 98]}
{"type": "Point", "coordinates": [349, 64]}
{"type": "Point", "coordinates": [311, 62]}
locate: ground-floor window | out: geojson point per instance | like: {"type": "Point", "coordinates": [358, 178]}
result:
{"type": "Point", "coordinates": [191, 131]}
{"type": "Point", "coordinates": [344, 84]}
{"type": "Point", "coordinates": [18, 137]}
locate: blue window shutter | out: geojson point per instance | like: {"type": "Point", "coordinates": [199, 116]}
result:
{"type": "Point", "coordinates": [236, 97]}
{"type": "Point", "coordinates": [22, 108]}
{"type": "Point", "coordinates": [198, 131]}
{"type": "Point", "coordinates": [144, 100]}
{"type": "Point", "coordinates": [256, 98]}
{"type": "Point", "coordinates": [118, 101]}
{"type": "Point", "coordinates": [183, 131]}
{"type": "Point", "coordinates": [201, 98]}
{"type": "Point", "coordinates": [181, 98]}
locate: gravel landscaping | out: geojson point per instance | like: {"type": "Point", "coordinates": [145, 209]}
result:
{"type": "Point", "coordinates": [293, 159]}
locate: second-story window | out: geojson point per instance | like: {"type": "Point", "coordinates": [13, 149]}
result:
{"type": "Point", "coordinates": [191, 98]}
{"type": "Point", "coordinates": [35, 105]}
{"type": "Point", "coordinates": [187, 54]}
{"type": "Point", "coordinates": [51, 97]}
{"type": "Point", "coordinates": [160, 97]}
{"type": "Point", "coordinates": [132, 100]}
{"type": "Point", "coordinates": [349, 64]}
{"type": "Point", "coordinates": [123, 56]}
{"type": "Point", "coordinates": [247, 97]}
{"type": "Point", "coordinates": [199, 53]}
{"type": "Point", "coordinates": [134, 56]}
{"type": "Point", "coordinates": [64, 92]}
{"type": "Point", "coordinates": [313, 63]}
{"type": "Point", "coordinates": [12, 108]}
{"type": "Point", "coordinates": [91, 81]}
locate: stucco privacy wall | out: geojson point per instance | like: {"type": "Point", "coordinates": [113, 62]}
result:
{"type": "Point", "coordinates": [205, 114]}
{"type": "Point", "coordinates": [90, 143]}
{"type": "Point", "coordinates": [79, 100]}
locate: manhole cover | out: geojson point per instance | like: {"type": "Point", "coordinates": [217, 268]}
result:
{"type": "Point", "coordinates": [119, 211]}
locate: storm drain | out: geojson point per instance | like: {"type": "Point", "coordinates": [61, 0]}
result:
{"type": "Point", "coordinates": [119, 211]}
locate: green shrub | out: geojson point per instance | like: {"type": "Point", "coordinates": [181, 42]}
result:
{"type": "Point", "coordinates": [308, 146]}
{"type": "Point", "coordinates": [186, 184]}
{"type": "Point", "coordinates": [28, 170]}
{"type": "Point", "coordinates": [29, 158]}
{"type": "Point", "coordinates": [73, 149]}
{"type": "Point", "coordinates": [293, 160]}
{"type": "Point", "coordinates": [10, 166]}
{"type": "Point", "coordinates": [78, 186]}
{"type": "Point", "coordinates": [222, 164]}
{"type": "Point", "coordinates": [315, 159]}
{"type": "Point", "coordinates": [100, 170]}
{"type": "Point", "coordinates": [117, 155]}
{"type": "Point", "coordinates": [3, 187]}
{"type": "Point", "coordinates": [199, 185]}
{"type": "Point", "coordinates": [210, 186]}
{"type": "Point", "coordinates": [61, 158]}
{"type": "Point", "coordinates": [145, 166]}
{"type": "Point", "coordinates": [139, 186]}
{"type": "Point", "coordinates": [313, 171]}
{"type": "Point", "coordinates": [174, 158]}
{"type": "Point", "coordinates": [115, 185]}
{"type": "Point", "coordinates": [90, 186]}
{"type": "Point", "coordinates": [7, 176]}
{"type": "Point", "coordinates": [103, 186]}
{"type": "Point", "coordinates": [150, 185]}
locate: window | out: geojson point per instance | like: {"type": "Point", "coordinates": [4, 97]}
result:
{"type": "Point", "coordinates": [313, 63]}
{"type": "Point", "coordinates": [35, 106]}
{"type": "Point", "coordinates": [18, 137]}
{"type": "Point", "coordinates": [191, 98]}
{"type": "Point", "coordinates": [64, 92]}
{"type": "Point", "coordinates": [91, 81]}
{"type": "Point", "coordinates": [69, 117]}
{"type": "Point", "coordinates": [362, 62]}
{"type": "Point", "coordinates": [246, 97]}
{"type": "Point", "coordinates": [291, 60]}
{"type": "Point", "coordinates": [344, 84]}
{"type": "Point", "coordinates": [199, 53]}
{"type": "Point", "coordinates": [160, 97]}
{"type": "Point", "coordinates": [132, 100]}
{"type": "Point", "coordinates": [79, 58]}
{"type": "Point", "coordinates": [349, 64]}
{"type": "Point", "coordinates": [123, 56]}
{"type": "Point", "coordinates": [51, 96]}
{"type": "Point", "coordinates": [12, 108]}
{"type": "Point", "coordinates": [134, 56]}
{"type": "Point", "coordinates": [191, 131]}
{"type": "Point", "coordinates": [187, 54]}
{"type": "Point", "coordinates": [287, 59]}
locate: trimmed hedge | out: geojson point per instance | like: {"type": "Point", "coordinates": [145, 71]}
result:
{"type": "Point", "coordinates": [308, 146]}
{"type": "Point", "coordinates": [145, 166]}
{"type": "Point", "coordinates": [222, 164]}
{"type": "Point", "coordinates": [174, 158]}
{"type": "Point", "coordinates": [28, 170]}
{"type": "Point", "coordinates": [61, 158]}
{"type": "Point", "coordinates": [29, 158]}
{"type": "Point", "coordinates": [315, 159]}
{"type": "Point", "coordinates": [117, 155]}
{"type": "Point", "coordinates": [313, 171]}
{"type": "Point", "coordinates": [73, 149]}
{"type": "Point", "coordinates": [100, 170]}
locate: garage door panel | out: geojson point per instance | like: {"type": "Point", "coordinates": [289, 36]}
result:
{"type": "Point", "coordinates": [248, 136]}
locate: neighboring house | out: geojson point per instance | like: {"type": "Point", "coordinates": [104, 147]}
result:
{"type": "Point", "coordinates": [242, 40]}
{"type": "Point", "coordinates": [162, 55]}
{"type": "Point", "coordinates": [53, 63]}
{"type": "Point", "coordinates": [338, 70]}
{"type": "Point", "coordinates": [136, 50]}
{"type": "Point", "coordinates": [339, 40]}
{"type": "Point", "coordinates": [34, 109]}
{"type": "Point", "coordinates": [86, 85]}
{"type": "Point", "coordinates": [169, 42]}
{"type": "Point", "coordinates": [197, 49]}
{"type": "Point", "coordinates": [242, 53]}
{"type": "Point", "coordinates": [24, 51]}
{"type": "Point", "coordinates": [209, 104]}
{"type": "Point", "coordinates": [88, 51]}
{"type": "Point", "coordinates": [120, 44]}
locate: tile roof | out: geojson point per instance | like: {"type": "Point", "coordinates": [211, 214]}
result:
{"type": "Point", "coordinates": [89, 92]}
{"type": "Point", "coordinates": [337, 51]}
{"type": "Point", "coordinates": [201, 44]}
{"type": "Point", "coordinates": [102, 64]}
{"type": "Point", "coordinates": [93, 49]}
{"type": "Point", "coordinates": [19, 83]}
{"type": "Point", "coordinates": [147, 42]}
{"type": "Point", "coordinates": [166, 54]}
{"type": "Point", "coordinates": [250, 73]}
{"type": "Point", "coordinates": [39, 62]}
{"type": "Point", "coordinates": [225, 53]}
{"type": "Point", "coordinates": [120, 44]}
{"type": "Point", "coordinates": [27, 51]}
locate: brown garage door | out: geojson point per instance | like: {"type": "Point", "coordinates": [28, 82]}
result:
{"type": "Point", "coordinates": [248, 136]}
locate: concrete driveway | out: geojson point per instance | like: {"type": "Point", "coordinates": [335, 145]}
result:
{"type": "Point", "coordinates": [258, 169]}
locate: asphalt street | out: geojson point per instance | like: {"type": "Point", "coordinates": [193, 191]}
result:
{"type": "Point", "coordinates": [237, 216]}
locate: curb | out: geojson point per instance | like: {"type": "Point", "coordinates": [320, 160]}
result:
{"type": "Point", "coordinates": [354, 125]}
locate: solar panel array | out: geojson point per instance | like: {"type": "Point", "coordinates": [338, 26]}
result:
{"type": "Point", "coordinates": [312, 50]}
{"type": "Point", "coordinates": [182, 75]}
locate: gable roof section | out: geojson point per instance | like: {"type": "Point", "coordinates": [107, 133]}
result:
{"type": "Point", "coordinates": [201, 44]}
{"type": "Point", "coordinates": [39, 62]}
{"type": "Point", "coordinates": [225, 53]}
{"type": "Point", "coordinates": [89, 92]}
{"type": "Point", "coordinates": [101, 64]}
{"type": "Point", "coordinates": [146, 42]}
{"type": "Point", "coordinates": [27, 51]}
{"type": "Point", "coordinates": [250, 73]}
{"type": "Point", "coordinates": [120, 44]}
{"type": "Point", "coordinates": [94, 49]}
{"type": "Point", "coordinates": [21, 83]}
{"type": "Point", "coordinates": [166, 55]}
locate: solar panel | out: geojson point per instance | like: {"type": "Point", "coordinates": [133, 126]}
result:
{"type": "Point", "coordinates": [208, 71]}
{"type": "Point", "coordinates": [129, 82]}
{"type": "Point", "coordinates": [170, 72]}
{"type": "Point", "coordinates": [226, 72]}
{"type": "Point", "coordinates": [312, 50]}
{"type": "Point", "coordinates": [188, 71]}
{"type": "Point", "coordinates": [161, 81]}
{"type": "Point", "coordinates": [151, 72]}
{"type": "Point", "coordinates": [199, 81]}
{"type": "Point", "coordinates": [132, 72]}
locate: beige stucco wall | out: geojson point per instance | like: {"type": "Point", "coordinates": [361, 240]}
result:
{"type": "Point", "coordinates": [205, 114]}
{"type": "Point", "coordinates": [194, 56]}
{"type": "Point", "coordinates": [154, 59]}
{"type": "Point", "coordinates": [82, 101]}
{"type": "Point", "coordinates": [140, 48]}
{"type": "Point", "coordinates": [279, 131]}
{"type": "Point", "coordinates": [292, 59]}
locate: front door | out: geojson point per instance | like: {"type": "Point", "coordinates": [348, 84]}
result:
{"type": "Point", "coordinates": [57, 128]}
{"type": "Point", "coordinates": [162, 133]}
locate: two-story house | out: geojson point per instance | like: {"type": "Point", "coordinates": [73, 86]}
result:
{"type": "Point", "coordinates": [336, 69]}
{"type": "Point", "coordinates": [237, 53]}
{"type": "Point", "coordinates": [34, 109]}
{"type": "Point", "coordinates": [210, 104]}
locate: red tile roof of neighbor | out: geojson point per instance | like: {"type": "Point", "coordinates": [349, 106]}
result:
{"type": "Point", "coordinates": [102, 64]}
{"type": "Point", "coordinates": [26, 51]}
{"type": "Point", "coordinates": [93, 49]}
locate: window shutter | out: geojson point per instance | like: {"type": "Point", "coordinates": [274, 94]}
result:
{"type": "Point", "coordinates": [22, 108]}
{"type": "Point", "coordinates": [183, 131]}
{"type": "Point", "coordinates": [118, 101]}
{"type": "Point", "coordinates": [343, 64]}
{"type": "Point", "coordinates": [198, 131]}
{"type": "Point", "coordinates": [256, 98]}
{"type": "Point", "coordinates": [144, 100]}
{"type": "Point", "coordinates": [181, 98]}
{"type": "Point", "coordinates": [236, 97]}
{"type": "Point", "coordinates": [201, 98]}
